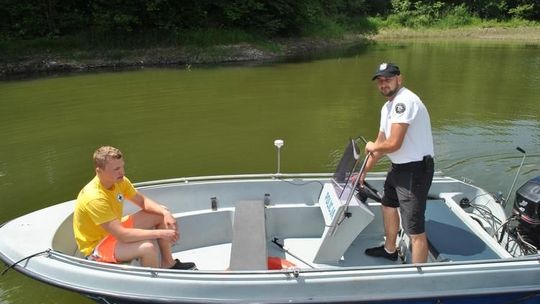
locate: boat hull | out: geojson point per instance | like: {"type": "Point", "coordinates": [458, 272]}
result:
{"type": "Point", "coordinates": [496, 280]}
{"type": "Point", "coordinates": [368, 286]}
{"type": "Point", "coordinates": [522, 298]}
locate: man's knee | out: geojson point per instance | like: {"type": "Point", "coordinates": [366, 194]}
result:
{"type": "Point", "coordinates": [388, 209]}
{"type": "Point", "coordinates": [418, 238]}
{"type": "Point", "coordinates": [148, 247]}
{"type": "Point", "coordinates": [146, 220]}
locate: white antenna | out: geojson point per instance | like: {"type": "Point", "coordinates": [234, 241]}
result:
{"type": "Point", "coordinates": [278, 143]}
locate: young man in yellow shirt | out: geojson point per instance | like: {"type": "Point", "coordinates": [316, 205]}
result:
{"type": "Point", "coordinates": [104, 235]}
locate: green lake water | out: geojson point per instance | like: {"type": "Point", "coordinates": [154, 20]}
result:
{"type": "Point", "coordinates": [483, 99]}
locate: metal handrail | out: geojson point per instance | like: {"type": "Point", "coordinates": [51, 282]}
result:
{"type": "Point", "coordinates": [230, 177]}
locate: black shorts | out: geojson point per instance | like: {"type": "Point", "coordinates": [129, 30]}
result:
{"type": "Point", "coordinates": [406, 187]}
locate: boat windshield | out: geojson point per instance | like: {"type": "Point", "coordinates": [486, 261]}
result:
{"type": "Point", "coordinates": [348, 165]}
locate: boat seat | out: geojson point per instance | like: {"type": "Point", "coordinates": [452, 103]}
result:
{"type": "Point", "coordinates": [248, 249]}
{"type": "Point", "coordinates": [450, 239]}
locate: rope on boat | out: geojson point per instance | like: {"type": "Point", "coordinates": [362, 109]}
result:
{"type": "Point", "coordinates": [275, 241]}
{"type": "Point", "coordinates": [48, 252]}
{"type": "Point", "coordinates": [282, 178]}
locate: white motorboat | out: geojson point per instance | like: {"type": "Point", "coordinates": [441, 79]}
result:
{"type": "Point", "coordinates": [296, 238]}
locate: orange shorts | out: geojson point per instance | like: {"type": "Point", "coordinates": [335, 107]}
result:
{"type": "Point", "coordinates": [105, 250]}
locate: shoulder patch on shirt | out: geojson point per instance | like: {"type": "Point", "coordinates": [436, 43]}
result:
{"type": "Point", "coordinates": [120, 197]}
{"type": "Point", "coordinates": [400, 108]}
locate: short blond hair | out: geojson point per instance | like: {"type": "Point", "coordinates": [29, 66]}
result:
{"type": "Point", "coordinates": [103, 154]}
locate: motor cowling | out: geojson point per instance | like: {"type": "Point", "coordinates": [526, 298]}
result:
{"type": "Point", "coordinates": [526, 208]}
{"type": "Point", "coordinates": [527, 202]}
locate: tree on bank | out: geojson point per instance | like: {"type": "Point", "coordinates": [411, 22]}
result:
{"type": "Point", "coordinates": [170, 20]}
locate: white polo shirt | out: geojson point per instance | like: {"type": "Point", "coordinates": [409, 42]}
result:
{"type": "Point", "coordinates": [407, 108]}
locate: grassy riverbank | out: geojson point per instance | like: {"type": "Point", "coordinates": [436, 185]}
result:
{"type": "Point", "coordinates": [43, 56]}
{"type": "Point", "coordinates": [520, 34]}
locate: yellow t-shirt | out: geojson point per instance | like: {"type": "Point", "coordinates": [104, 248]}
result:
{"type": "Point", "coordinates": [95, 206]}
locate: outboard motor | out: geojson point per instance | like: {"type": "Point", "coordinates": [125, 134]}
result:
{"type": "Point", "coordinates": [527, 210]}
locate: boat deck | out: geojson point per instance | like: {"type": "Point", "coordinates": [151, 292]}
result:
{"type": "Point", "coordinates": [450, 239]}
{"type": "Point", "coordinates": [303, 251]}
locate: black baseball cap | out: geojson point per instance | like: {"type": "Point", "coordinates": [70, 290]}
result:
{"type": "Point", "coordinates": [386, 70]}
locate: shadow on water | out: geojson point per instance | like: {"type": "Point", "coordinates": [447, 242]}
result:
{"type": "Point", "coordinates": [297, 52]}
{"type": "Point", "coordinates": [346, 51]}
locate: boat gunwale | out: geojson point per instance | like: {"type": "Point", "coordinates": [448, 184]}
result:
{"type": "Point", "coordinates": [259, 176]}
{"type": "Point", "coordinates": [273, 176]}
{"type": "Point", "coordinates": [97, 294]}
{"type": "Point", "coordinates": [156, 271]}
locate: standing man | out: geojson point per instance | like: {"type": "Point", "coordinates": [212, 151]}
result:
{"type": "Point", "coordinates": [103, 235]}
{"type": "Point", "coordinates": [405, 136]}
